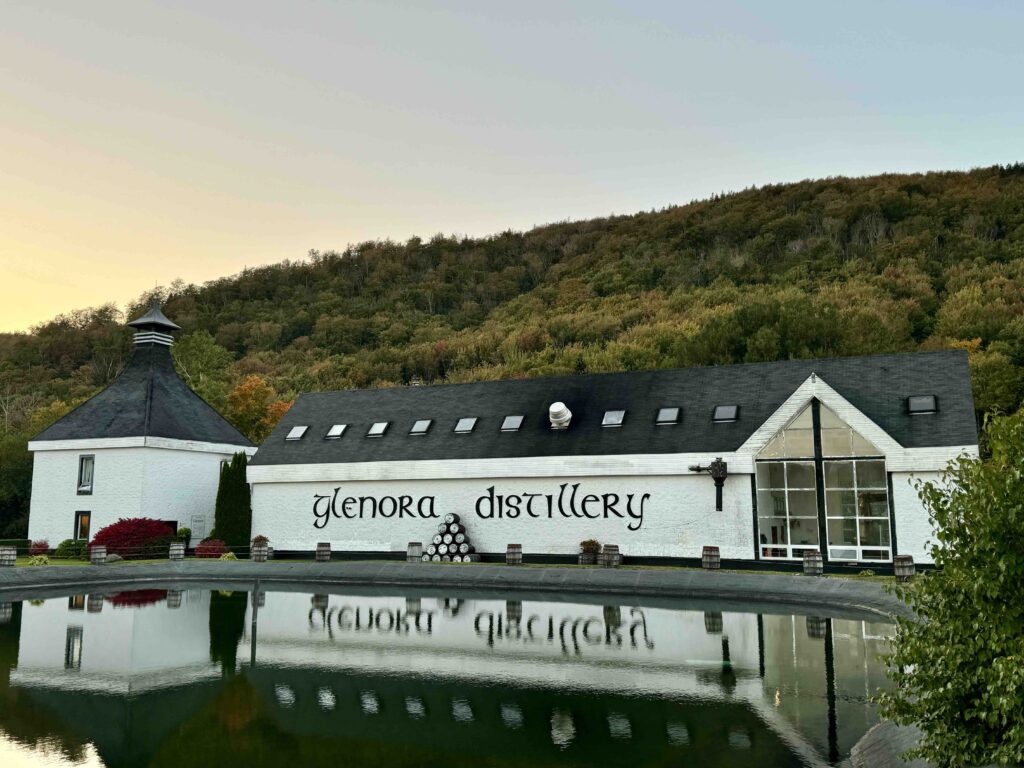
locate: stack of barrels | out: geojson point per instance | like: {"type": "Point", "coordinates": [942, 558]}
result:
{"type": "Point", "coordinates": [451, 543]}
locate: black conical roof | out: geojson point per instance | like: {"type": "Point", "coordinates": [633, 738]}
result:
{"type": "Point", "coordinates": [148, 399]}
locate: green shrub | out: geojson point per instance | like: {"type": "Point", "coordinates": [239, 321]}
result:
{"type": "Point", "coordinates": [957, 668]}
{"type": "Point", "coordinates": [72, 549]}
{"type": "Point", "coordinates": [228, 556]}
{"type": "Point", "coordinates": [39, 560]}
{"type": "Point", "coordinates": [184, 534]}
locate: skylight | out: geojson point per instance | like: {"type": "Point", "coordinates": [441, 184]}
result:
{"type": "Point", "coordinates": [667, 416]}
{"type": "Point", "coordinates": [378, 429]}
{"type": "Point", "coordinates": [421, 426]}
{"type": "Point", "coordinates": [920, 404]}
{"type": "Point", "coordinates": [725, 413]}
{"type": "Point", "coordinates": [512, 423]}
{"type": "Point", "coordinates": [613, 418]}
{"type": "Point", "coordinates": [335, 432]}
{"type": "Point", "coordinates": [465, 426]}
{"type": "Point", "coordinates": [296, 433]}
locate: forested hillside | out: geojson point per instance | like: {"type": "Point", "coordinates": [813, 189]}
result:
{"type": "Point", "coordinates": [818, 268]}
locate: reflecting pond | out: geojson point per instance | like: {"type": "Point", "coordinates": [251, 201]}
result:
{"type": "Point", "coordinates": [184, 677]}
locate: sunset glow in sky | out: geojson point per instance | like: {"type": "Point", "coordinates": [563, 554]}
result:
{"type": "Point", "coordinates": [146, 141]}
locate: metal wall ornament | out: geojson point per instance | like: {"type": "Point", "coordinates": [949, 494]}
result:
{"type": "Point", "coordinates": [719, 470]}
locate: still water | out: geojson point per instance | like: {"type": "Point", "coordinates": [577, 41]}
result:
{"type": "Point", "coordinates": [210, 677]}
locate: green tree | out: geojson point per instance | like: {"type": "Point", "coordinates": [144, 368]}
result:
{"type": "Point", "coordinates": [959, 668]}
{"type": "Point", "coordinates": [233, 512]}
{"type": "Point", "coordinates": [204, 365]}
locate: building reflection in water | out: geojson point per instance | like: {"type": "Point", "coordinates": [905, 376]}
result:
{"type": "Point", "coordinates": [612, 684]}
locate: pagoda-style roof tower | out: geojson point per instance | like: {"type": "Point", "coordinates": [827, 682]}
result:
{"type": "Point", "coordinates": [148, 399]}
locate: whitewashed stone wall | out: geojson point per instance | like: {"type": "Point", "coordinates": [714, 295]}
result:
{"type": "Point", "coordinates": [161, 483]}
{"type": "Point", "coordinates": [913, 530]}
{"type": "Point", "coordinates": [679, 515]}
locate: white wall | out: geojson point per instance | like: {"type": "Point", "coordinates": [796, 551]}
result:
{"type": "Point", "coordinates": [913, 529]}
{"type": "Point", "coordinates": [165, 484]}
{"type": "Point", "coordinates": [679, 517]}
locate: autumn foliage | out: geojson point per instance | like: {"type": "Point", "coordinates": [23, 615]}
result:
{"type": "Point", "coordinates": [135, 538]}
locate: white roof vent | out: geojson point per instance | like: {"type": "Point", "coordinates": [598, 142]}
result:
{"type": "Point", "coordinates": [560, 416]}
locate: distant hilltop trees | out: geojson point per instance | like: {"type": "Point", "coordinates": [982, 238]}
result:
{"type": "Point", "coordinates": [817, 268]}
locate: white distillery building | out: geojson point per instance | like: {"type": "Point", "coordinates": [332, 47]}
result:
{"type": "Point", "coordinates": [763, 460]}
{"type": "Point", "coordinates": [146, 446]}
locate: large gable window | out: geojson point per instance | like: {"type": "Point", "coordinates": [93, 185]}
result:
{"type": "Point", "coordinates": [855, 508]}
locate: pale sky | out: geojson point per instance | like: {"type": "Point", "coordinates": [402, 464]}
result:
{"type": "Point", "coordinates": [146, 141]}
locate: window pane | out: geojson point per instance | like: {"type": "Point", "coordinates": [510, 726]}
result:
{"type": "Point", "coordinates": [842, 532]}
{"type": "Point", "coordinates": [800, 475]}
{"type": "Point", "coordinates": [842, 554]}
{"type": "Point", "coordinates": [840, 504]}
{"type": "Point", "coordinates": [875, 554]}
{"type": "Point", "coordinates": [771, 503]}
{"type": "Point", "coordinates": [377, 429]}
{"type": "Point", "coordinates": [465, 425]}
{"type": "Point", "coordinates": [725, 413]}
{"type": "Point", "coordinates": [874, 533]}
{"type": "Point", "coordinates": [668, 415]}
{"type": "Point", "coordinates": [803, 504]}
{"type": "Point", "coordinates": [511, 423]}
{"type": "Point", "coordinates": [771, 475]}
{"type": "Point", "coordinates": [295, 433]}
{"type": "Point", "coordinates": [872, 504]}
{"type": "Point", "coordinates": [775, 448]}
{"type": "Point", "coordinates": [420, 427]}
{"type": "Point", "coordinates": [336, 431]}
{"type": "Point", "coordinates": [799, 443]}
{"type": "Point", "coordinates": [804, 421]}
{"type": "Point", "coordinates": [772, 530]}
{"type": "Point", "coordinates": [839, 474]}
{"type": "Point", "coordinates": [829, 420]}
{"type": "Point", "coordinates": [613, 418]}
{"type": "Point", "coordinates": [803, 531]}
{"type": "Point", "coordinates": [871, 474]}
{"type": "Point", "coordinates": [862, 447]}
{"type": "Point", "coordinates": [836, 442]}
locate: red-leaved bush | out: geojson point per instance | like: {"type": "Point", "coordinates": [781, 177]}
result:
{"type": "Point", "coordinates": [40, 547]}
{"type": "Point", "coordinates": [137, 598]}
{"type": "Point", "coordinates": [211, 548]}
{"type": "Point", "coordinates": [135, 538]}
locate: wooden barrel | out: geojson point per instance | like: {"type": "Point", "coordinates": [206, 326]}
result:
{"type": "Point", "coordinates": [323, 551]}
{"type": "Point", "coordinates": [711, 558]}
{"type": "Point", "coordinates": [514, 554]}
{"type": "Point", "coordinates": [460, 537]}
{"type": "Point", "coordinates": [174, 598]}
{"type": "Point", "coordinates": [97, 556]}
{"type": "Point", "coordinates": [442, 549]}
{"type": "Point", "coordinates": [446, 558]}
{"type": "Point", "coordinates": [6, 613]}
{"type": "Point", "coordinates": [456, 558]}
{"type": "Point", "coordinates": [450, 518]}
{"type": "Point", "coordinates": [432, 549]}
{"type": "Point", "coordinates": [466, 549]}
{"type": "Point", "coordinates": [435, 558]}
{"type": "Point", "coordinates": [587, 557]}
{"type": "Point", "coordinates": [442, 528]}
{"type": "Point", "coordinates": [514, 610]}
{"type": "Point", "coordinates": [456, 528]}
{"type": "Point", "coordinates": [8, 556]}
{"type": "Point", "coordinates": [425, 558]}
{"type": "Point", "coordinates": [612, 615]}
{"type": "Point", "coordinates": [319, 602]}
{"type": "Point", "coordinates": [258, 598]}
{"type": "Point", "coordinates": [813, 564]}
{"type": "Point", "coordinates": [713, 622]}
{"type": "Point", "coordinates": [903, 566]}
{"type": "Point", "coordinates": [471, 558]}
{"type": "Point", "coordinates": [94, 603]}
{"type": "Point", "coordinates": [447, 538]}
{"type": "Point", "coordinates": [258, 553]}
{"type": "Point", "coordinates": [438, 539]}
{"type": "Point", "coordinates": [610, 556]}
{"type": "Point", "coordinates": [414, 551]}
{"type": "Point", "coordinates": [270, 552]}
{"type": "Point", "coordinates": [177, 550]}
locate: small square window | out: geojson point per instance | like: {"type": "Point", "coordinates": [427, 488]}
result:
{"type": "Point", "coordinates": [918, 404]}
{"type": "Point", "coordinates": [296, 433]}
{"type": "Point", "coordinates": [613, 418]}
{"type": "Point", "coordinates": [512, 423]}
{"type": "Point", "coordinates": [421, 427]}
{"type": "Point", "coordinates": [465, 426]}
{"type": "Point", "coordinates": [724, 413]}
{"type": "Point", "coordinates": [378, 429]}
{"type": "Point", "coordinates": [86, 466]}
{"type": "Point", "coordinates": [667, 416]}
{"type": "Point", "coordinates": [335, 432]}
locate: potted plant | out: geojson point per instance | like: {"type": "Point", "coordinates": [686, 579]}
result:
{"type": "Point", "coordinates": [588, 551]}
{"type": "Point", "coordinates": [258, 552]}
{"type": "Point", "coordinates": [184, 535]}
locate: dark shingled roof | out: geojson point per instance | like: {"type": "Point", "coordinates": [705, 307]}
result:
{"type": "Point", "coordinates": [877, 385]}
{"type": "Point", "coordinates": [148, 399]}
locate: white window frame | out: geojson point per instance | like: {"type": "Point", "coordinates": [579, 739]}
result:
{"type": "Point", "coordinates": [859, 548]}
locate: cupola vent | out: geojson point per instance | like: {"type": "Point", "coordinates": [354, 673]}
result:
{"type": "Point", "coordinates": [560, 415]}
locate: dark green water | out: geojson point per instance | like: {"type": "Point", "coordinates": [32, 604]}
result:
{"type": "Point", "coordinates": [183, 678]}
